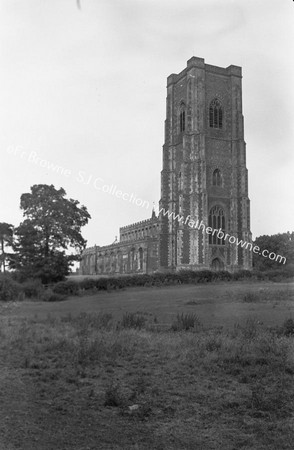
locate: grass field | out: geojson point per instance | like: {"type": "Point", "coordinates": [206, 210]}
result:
{"type": "Point", "coordinates": [216, 304]}
{"type": "Point", "coordinates": [187, 367]}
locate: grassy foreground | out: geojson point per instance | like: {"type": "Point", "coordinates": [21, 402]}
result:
{"type": "Point", "coordinates": [92, 381]}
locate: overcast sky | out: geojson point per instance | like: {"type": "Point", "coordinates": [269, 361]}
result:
{"type": "Point", "coordinates": [84, 89]}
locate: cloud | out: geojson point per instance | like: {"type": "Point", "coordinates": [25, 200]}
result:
{"type": "Point", "coordinates": [141, 25]}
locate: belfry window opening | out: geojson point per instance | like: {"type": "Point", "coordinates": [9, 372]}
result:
{"type": "Point", "coordinates": [216, 178]}
{"type": "Point", "coordinates": [215, 114]}
{"type": "Point", "coordinates": [182, 119]}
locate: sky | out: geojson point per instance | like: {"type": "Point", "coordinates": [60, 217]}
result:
{"type": "Point", "coordinates": [82, 100]}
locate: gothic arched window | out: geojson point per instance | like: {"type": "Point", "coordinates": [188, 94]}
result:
{"type": "Point", "coordinates": [140, 265]}
{"type": "Point", "coordinates": [216, 178]}
{"type": "Point", "coordinates": [215, 114]}
{"type": "Point", "coordinates": [216, 220]}
{"type": "Point", "coordinates": [182, 118]}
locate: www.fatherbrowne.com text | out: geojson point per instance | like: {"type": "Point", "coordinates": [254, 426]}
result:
{"type": "Point", "coordinates": [221, 235]}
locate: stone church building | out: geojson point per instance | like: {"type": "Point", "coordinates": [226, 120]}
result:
{"type": "Point", "coordinates": [204, 180]}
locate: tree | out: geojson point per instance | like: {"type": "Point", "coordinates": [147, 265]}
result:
{"type": "Point", "coordinates": [52, 227]}
{"type": "Point", "coordinates": [281, 244]}
{"type": "Point", "coordinates": [6, 235]}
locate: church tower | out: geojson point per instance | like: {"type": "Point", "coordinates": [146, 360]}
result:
{"type": "Point", "coordinates": [204, 180]}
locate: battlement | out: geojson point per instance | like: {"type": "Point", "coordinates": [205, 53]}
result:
{"type": "Point", "coordinates": [139, 224]}
{"type": "Point", "coordinates": [196, 62]}
{"type": "Point", "coordinates": [89, 250]}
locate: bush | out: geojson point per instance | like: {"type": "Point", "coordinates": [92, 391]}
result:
{"type": "Point", "coordinates": [102, 284]}
{"type": "Point", "coordinates": [50, 296]}
{"type": "Point", "coordinates": [205, 276]}
{"type": "Point", "coordinates": [185, 322]}
{"type": "Point", "coordinates": [241, 275]}
{"type": "Point", "coordinates": [223, 275]}
{"type": "Point", "coordinates": [68, 287]}
{"type": "Point", "coordinates": [275, 275]}
{"type": "Point", "coordinates": [87, 284]}
{"type": "Point", "coordinates": [9, 289]}
{"type": "Point", "coordinates": [32, 288]}
{"type": "Point", "coordinates": [187, 276]}
{"type": "Point", "coordinates": [279, 274]}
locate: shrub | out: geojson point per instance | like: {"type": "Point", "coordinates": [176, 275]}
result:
{"type": "Point", "coordinates": [102, 284]}
{"type": "Point", "coordinates": [9, 289]}
{"type": "Point", "coordinates": [116, 283]}
{"type": "Point", "coordinates": [132, 320]}
{"type": "Point", "coordinates": [275, 275]}
{"type": "Point", "coordinates": [68, 287]}
{"type": "Point", "coordinates": [241, 275]}
{"type": "Point", "coordinates": [184, 322]}
{"type": "Point", "coordinates": [87, 283]}
{"type": "Point", "coordinates": [138, 279]}
{"type": "Point", "coordinates": [279, 274]}
{"type": "Point", "coordinates": [186, 276]}
{"type": "Point", "coordinates": [32, 288]}
{"type": "Point", "coordinates": [223, 275]}
{"type": "Point", "coordinates": [50, 296]}
{"type": "Point", "coordinates": [258, 275]}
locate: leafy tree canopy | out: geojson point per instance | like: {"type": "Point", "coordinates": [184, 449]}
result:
{"type": "Point", "coordinates": [6, 236]}
{"type": "Point", "coordinates": [281, 244]}
{"type": "Point", "coordinates": [51, 228]}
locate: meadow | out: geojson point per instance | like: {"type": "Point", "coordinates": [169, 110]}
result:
{"type": "Point", "coordinates": [174, 367]}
